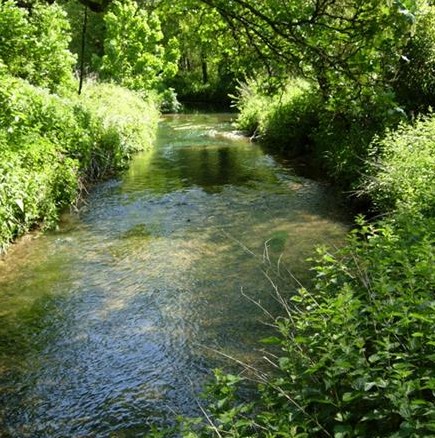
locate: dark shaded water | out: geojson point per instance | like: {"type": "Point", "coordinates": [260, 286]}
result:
{"type": "Point", "coordinates": [104, 322]}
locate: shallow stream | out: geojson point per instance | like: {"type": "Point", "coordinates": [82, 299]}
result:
{"type": "Point", "coordinates": [111, 322]}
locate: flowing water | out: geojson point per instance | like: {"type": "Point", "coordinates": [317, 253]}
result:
{"type": "Point", "coordinates": [111, 323]}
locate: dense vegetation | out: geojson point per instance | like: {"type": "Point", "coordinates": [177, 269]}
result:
{"type": "Point", "coordinates": [348, 84]}
{"type": "Point", "coordinates": [53, 142]}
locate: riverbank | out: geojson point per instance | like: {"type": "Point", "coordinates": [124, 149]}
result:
{"type": "Point", "coordinates": [52, 147]}
{"type": "Point", "coordinates": [356, 349]}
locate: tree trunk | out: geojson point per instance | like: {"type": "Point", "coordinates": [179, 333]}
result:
{"type": "Point", "coordinates": [82, 55]}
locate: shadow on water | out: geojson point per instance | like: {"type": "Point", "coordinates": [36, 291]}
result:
{"type": "Point", "coordinates": [110, 324]}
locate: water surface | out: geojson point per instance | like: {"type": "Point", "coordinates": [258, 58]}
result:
{"type": "Point", "coordinates": [106, 323]}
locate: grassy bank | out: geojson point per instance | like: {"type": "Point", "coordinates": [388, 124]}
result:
{"type": "Point", "coordinates": [51, 146]}
{"type": "Point", "coordinates": [297, 121]}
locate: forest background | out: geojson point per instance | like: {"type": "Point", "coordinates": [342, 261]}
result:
{"type": "Point", "coordinates": [348, 85]}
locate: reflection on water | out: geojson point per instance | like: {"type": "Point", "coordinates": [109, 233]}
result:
{"type": "Point", "coordinates": [104, 322]}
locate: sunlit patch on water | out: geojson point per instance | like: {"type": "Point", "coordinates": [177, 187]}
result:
{"type": "Point", "coordinates": [114, 321]}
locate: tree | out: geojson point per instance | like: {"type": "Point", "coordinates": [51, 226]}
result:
{"type": "Point", "coordinates": [34, 46]}
{"type": "Point", "coordinates": [134, 55]}
{"type": "Point", "coordinates": [328, 41]}
{"type": "Point", "coordinates": [209, 61]}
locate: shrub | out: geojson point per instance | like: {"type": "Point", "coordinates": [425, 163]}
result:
{"type": "Point", "coordinates": [402, 177]}
{"type": "Point", "coordinates": [128, 111]}
{"type": "Point", "coordinates": [36, 181]}
{"type": "Point", "coordinates": [284, 120]}
{"type": "Point", "coordinates": [252, 103]}
{"type": "Point", "coordinates": [50, 146]}
{"type": "Point", "coordinates": [291, 119]}
{"type": "Point", "coordinates": [336, 132]}
{"type": "Point", "coordinates": [120, 122]}
{"type": "Point", "coordinates": [346, 128]}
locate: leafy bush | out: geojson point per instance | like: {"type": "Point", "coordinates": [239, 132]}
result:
{"type": "Point", "coordinates": [401, 176]}
{"type": "Point", "coordinates": [291, 119]}
{"type": "Point", "coordinates": [356, 353]}
{"type": "Point", "coordinates": [34, 185]}
{"type": "Point", "coordinates": [252, 103]}
{"type": "Point", "coordinates": [50, 146]}
{"type": "Point", "coordinates": [284, 120]}
{"type": "Point", "coordinates": [120, 122]}
{"type": "Point", "coordinates": [34, 46]}
{"type": "Point", "coordinates": [336, 132]}
{"type": "Point", "coordinates": [342, 144]}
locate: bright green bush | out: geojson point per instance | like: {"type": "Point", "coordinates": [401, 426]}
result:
{"type": "Point", "coordinates": [402, 175]}
{"type": "Point", "coordinates": [124, 110]}
{"type": "Point", "coordinates": [34, 185]}
{"type": "Point", "coordinates": [50, 146]}
{"type": "Point", "coordinates": [284, 121]}
{"type": "Point", "coordinates": [34, 46]}
{"type": "Point", "coordinates": [252, 103]}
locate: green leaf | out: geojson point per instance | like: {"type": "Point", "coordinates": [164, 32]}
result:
{"type": "Point", "coordinates": [20, 204]}
{"type": "Point", "coordinates": [342, 431]}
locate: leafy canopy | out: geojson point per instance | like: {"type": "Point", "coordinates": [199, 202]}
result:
{"type": "Point", "coordinates": [134, 55]}
{"type": "Point", "coordinates": [34, 46]}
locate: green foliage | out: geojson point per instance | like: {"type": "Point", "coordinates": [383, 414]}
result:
{"type": "Point", "coordinates": [357, 352]}
{"type": "Point", "coordinates": [94, 34]}
{"type": "Point", "coordinates": [346, 129]}
{"type": "Point", "coordinates": [209, 61]}
{"type": "Point", "coordinates": [120, 121]}
{"type": "Point", "coordinates": [34, 45]}
{"type": "Point", "coordinates": [345, 46]}
{"type": "Point", "coordinates": [36, 176]}
{"type": "Point", "coordinates": [401, 176]}
{"type": "Point", "coordinates": [297, 120]}
{"type": "Point", "coordinates": [252, 103]}
{"type": "Point", "coordinates": [133, 52]}
{"type": "Point", "coordinates": [168, 101]}
{"type": "Point", "coordinates": [50, 146]}
{"type": "Point", "coordinates": [415, 82]}
{"type": "Point", "coordinates": [284, 120]}
{"type": "Point", "coordinates": [291, 118]}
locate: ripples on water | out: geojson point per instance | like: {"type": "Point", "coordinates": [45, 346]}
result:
{"type": "Point", "coordinates": [104, 322]}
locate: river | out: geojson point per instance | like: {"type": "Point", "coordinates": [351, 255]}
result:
{"type": "Point", "coordinates": [110, 323]}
